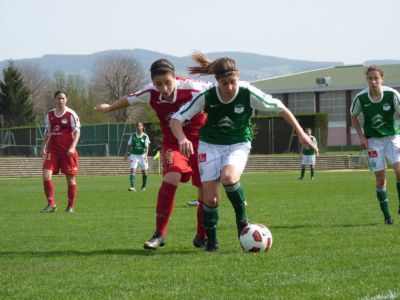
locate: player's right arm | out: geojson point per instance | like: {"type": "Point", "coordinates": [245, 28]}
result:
{"type": "Point", "coordinates": [141, 96]}
{"type": "Point", "coordinates": [186, 112]}
{"type": "Point", "coordinates": [355, 111]}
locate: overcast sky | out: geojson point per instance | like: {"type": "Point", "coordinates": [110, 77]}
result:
{"type": "Point", "coordinates": [350, 31]}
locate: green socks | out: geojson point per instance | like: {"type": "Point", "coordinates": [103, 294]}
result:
{"type": "Point", "coordinates": [235, 194]}
{"type": "Point", "coordinates": [132, 179]}
{"type": "Point", "coordinates": [382, 196]}
{"type": "Point", "coordinates": [210, 221]}
{"type": "Point", "coordinates": [144, 183]}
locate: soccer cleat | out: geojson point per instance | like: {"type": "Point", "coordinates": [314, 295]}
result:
{"type": "Point", "coordinates": [193, 203]}
{"type": "Point", "coordinates": [312, 178]}
{"type": "Point", "coordinates": [143, 189]}
{"type": "Point", "coordinates": [242, 225]}
{"type": "Point", "coordinates": [199, 242]}
{"type": "Point", "coordinates": [69, 210]}
{"type": "Point", "coordinates": [300, 178]}
{"type": "Point", "coordinates": [132, 189]}
{"type": "Point", "coordinates": [156, 241]}
{"type": "Point", "coordinates": [211, 247]}
{"type": "Point", "coordinates": [49, 209]}
{"type": "Point", "coordinates": [389, 221]}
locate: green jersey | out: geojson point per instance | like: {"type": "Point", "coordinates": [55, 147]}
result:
{"type": "Point", "coordinates": [138, 144]}
{"type": "Point", "coordinates": [379, 118]}
{"type": "Point", "coordinates": [228, 122]}
{"type": "Point", "coordinates": [308, 150]}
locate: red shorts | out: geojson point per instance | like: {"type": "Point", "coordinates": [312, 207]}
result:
{"type": "Point", "coordinates": [56, 161]}
{"type": "Point", "coordinates": [174, 161]}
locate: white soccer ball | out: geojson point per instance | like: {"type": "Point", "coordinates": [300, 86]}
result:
{"type": "Point", "coordinates": [256, 238]}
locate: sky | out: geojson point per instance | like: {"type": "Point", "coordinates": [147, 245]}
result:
{"type": "Point", "coordinates": [350, 31]}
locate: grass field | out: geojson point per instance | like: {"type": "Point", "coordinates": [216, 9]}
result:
{"type": "Point", "coordinates": [329, 242]}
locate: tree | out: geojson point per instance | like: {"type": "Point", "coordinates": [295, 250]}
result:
{"type": "Point", "coordinates": [14, 98]}
{"type": "Point", "coordinates": [114, 77]}
{"type": "Point", "coordinates": [38, 84]}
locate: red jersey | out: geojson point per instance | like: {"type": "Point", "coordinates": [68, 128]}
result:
{"type": "Point", "coordinates": [185, 90]}
{"type": "Point", "coordinates": [60, 129]}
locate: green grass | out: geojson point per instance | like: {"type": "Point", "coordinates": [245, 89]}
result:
{"type": "Point", "coordinates": [329, 242]}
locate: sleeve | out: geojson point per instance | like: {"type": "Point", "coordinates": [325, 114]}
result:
{"type": "Point", "coordinates": [47, 126]}
{"type": "Point", "coordinates": [355, 108]}
{"type": "Point", "coordinates": [75, 123]}
{"type": "Point", "coordinates": [264, 102]}
{"type": "Point", "coordinates": [147, 141]}
{"type": "Point", "coordinates": [130, 140]}
{"type": "Point", "coordinates": [396, 101]}
{"type": "Point", "coordinates": [190, 109]}
{"type": "Point", "coordinates": [141, 96]}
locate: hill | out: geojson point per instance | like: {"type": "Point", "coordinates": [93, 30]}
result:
{"type": "Point", "coordinates": [252, 66]}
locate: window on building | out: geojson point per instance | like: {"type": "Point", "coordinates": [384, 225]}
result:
{"type": "Point", "coordinates": [334, 103]}
{"type": "Point", "coordinates": [301, 102]}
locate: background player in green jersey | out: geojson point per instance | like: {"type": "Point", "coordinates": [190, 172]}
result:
{"type": "Point", "coordinates": [381, 137]}
{"type": "Point", "coordinates": [137, 150]}
{"type": "Point", "coordinates": [225, 139]}
{"type": "Point", "coordinates": [308, 156]}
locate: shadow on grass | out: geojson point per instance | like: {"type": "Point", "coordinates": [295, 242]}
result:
{"type": "Point", "coordinates": [128, 252]}
{"type": "Point", "coordinates": [322, 226]}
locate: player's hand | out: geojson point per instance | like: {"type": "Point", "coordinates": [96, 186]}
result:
{"type": "Point", "coordinates": [104, 107]}
{"type": "Point", "coordinates": [43, 153]}
{"type": "Point", "coordinates": [126, 157]}
{"type": "Point", "coordinates": [186, 147]}
{"type": "Point", "coordinates": [364, 142]}
{"type": "Point", "coordinates": [305, 140]}
{"type": "Point", "coordinates": [71, 151]}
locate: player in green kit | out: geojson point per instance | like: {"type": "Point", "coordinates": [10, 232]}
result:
{"type": "Point", "coordinates": [225, 139]}
{"type": "Point", "coordinates": [137, 151]}
{"type": "Point", "coordinates": [308, 156]}
{"type": "Point", "coordinates": [381, 136]}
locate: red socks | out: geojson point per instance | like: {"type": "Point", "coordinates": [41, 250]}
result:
{"type": "Point", "coordinates": [165, 206]}
{"type": "Point", "coordinates": [201, 232]}
{"type": "Point", "coordinates": [49, 191]}
{"type": "Point", "coordinates": [71, 195]}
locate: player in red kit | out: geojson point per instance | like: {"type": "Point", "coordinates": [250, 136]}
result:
{"type": "Point", "coordinates": [62, 131]}
{"type": "Point", "coordinates": [166, 94]}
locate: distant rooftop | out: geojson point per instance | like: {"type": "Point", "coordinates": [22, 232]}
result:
{"type": "Point", "coordinates": [347, 77]}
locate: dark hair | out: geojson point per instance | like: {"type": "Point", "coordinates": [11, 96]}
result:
{"type": "Point", "coordinates": [161, 67]}
{"type": "Point", "coordinates": [138, 122]}
{"type": "Point", "coordinates": [220, 67]}
{"type": "Point", "coordinates": [59, 93]}
{"type": "Point", "coordinates": [374, 68]}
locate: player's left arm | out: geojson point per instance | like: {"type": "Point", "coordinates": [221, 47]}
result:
{"type": "Point", "coordinates": [76, 132]}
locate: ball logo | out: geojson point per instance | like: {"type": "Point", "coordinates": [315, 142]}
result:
{"type": "Point", "coordinates": [202, 157]}
{"type": "Point", "coordinates": [372, 154]}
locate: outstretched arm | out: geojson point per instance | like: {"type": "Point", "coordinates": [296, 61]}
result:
{"type": "Point", "coordinates": [106, 108]}
{"type": "Point", "coordinates": [304, 139]}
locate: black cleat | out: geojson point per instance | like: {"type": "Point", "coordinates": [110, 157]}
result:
{"type": "Point", "coordinates": [389, 221]}
{"type": "Point", "coordinates": [242, 225]}
{"type": "Point", "coordinates": [156, 241]}
{"type": "Point", "coordinates": [211, 247]}
{"type": "Point", "coordinates": [49, 209]}
{"type": "Point", "coordinates": [199, 242]}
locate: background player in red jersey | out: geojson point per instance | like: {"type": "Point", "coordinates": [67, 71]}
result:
{"type": "Point", "coordinates": [62, 131]}
{"type": "Point", "coordinates": [166, 94]}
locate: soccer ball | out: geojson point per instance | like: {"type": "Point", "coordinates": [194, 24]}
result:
{"type": "Point", "coordinates": [256, 238]}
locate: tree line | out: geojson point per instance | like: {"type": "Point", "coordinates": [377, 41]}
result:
{"type": "Point", "coordinates": [27, 92]}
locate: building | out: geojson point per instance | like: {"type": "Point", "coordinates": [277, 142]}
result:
{"type": "Point", "coordinates": [328, 90]}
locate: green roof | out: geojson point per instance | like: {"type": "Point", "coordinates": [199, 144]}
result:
{"type": "Point", "coordinates": [351, 77]}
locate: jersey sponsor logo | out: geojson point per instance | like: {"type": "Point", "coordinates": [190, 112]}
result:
{"type": "Point", "coordinates": [64, 120]}
{"type": "Point", "coordinates": [56, 130]}
{"type": "Point", "coordinates": [214, 105]}
{"type": "Point", "coordinates": [226, 122]}
{"type": "Point", "coordinates": [372, 154]}
{"type": "Point", "coordinates": [202, 157]}
{"type": "Point", "coordinates": [239, 108]}
{"type": "Point", "coordinates": [386, 107]}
